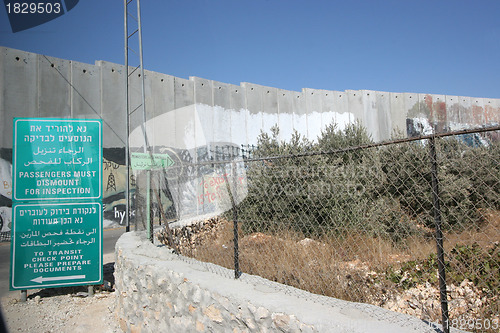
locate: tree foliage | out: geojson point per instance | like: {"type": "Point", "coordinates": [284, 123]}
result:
{"type": "Point", "coordinates": [384, 191]}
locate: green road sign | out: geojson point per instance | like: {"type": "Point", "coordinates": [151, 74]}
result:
{"type": "Point", "coordinates": [57, 159]}
{"type": "Point", "coordinates": [143, 161]}
{"type": "Point", "coordinates": [56, 245]}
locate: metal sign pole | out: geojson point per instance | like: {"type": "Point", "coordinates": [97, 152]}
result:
{"type": "Point", "coordinates": [127, 117]}
{"type": "Point", "coordinates": [143, 99]}
{"type": "Point", "coordinates": [146, 143]}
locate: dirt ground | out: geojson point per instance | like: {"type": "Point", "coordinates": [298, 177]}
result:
{"type": "Point", "coordinates": [65, 310]}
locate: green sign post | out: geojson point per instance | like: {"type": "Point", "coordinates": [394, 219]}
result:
{"type": "Point", "coordinates": [57, 159]}
{"type": "Point", "coordinates": [57, 203]}
{"type": "Point", "coordinates": [56, 245]}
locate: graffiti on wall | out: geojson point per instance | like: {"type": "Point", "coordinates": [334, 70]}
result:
{"type": "Point", "coordinates": [432, 115]}
{"type": "Point", "coordinates": [215, 189]}
{"type": "Point", "coordinates": [114, 187]}
{"type": "Point", "coordinates": [191, 185]}
{"type": "Point", "coordinates": [5, 193]}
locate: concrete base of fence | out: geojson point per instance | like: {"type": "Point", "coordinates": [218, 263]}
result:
{"type": "Point", "coordinates": [157, 291]}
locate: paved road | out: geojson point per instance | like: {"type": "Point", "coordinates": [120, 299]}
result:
{"type": "Point", "coordinates": [110, 236]}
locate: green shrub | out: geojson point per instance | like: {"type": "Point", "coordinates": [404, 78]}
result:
{"type": "Point", "coordinates": [382, 191]}
{"type": "Point", "coordinates": [472, 262]}
{"type": "Point", "coordinates": [479, 265]}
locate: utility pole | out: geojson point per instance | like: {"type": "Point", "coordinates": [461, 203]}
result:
{"type": "Point", "coordinates": [133, 35]}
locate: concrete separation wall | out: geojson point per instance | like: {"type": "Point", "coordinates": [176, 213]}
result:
{"type": "Point", "coordinates": [198, 112]}
{"type": "Point", "coordinates": [196, 120]}
{"type": "Point", "coordinates": [158, 291]}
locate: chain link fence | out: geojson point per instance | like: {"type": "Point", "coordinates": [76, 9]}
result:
{"type": "Point", "coordinates": [411, 225]}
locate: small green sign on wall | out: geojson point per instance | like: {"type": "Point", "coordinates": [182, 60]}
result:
{"type": "Point", "coordinates": [145, 161]}
{"type": "Point", "coordinates": [57, 159]}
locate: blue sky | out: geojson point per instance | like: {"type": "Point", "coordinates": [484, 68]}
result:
{"type": "Point", "coordinates": [439, 46]}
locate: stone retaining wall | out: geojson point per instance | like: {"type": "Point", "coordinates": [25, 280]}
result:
{"type": "Point", "coordinates": [157, 291]}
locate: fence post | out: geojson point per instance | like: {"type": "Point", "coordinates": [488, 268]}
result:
{"type": "Point", "coordinates": [149, 218]}
{"type": "Point", "coordinates": [237, 272]}
{"type": "Point", "coordinates": [439, 238]}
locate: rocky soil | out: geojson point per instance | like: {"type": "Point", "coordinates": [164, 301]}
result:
{"type": "Point", "coordinates": [465, 302]}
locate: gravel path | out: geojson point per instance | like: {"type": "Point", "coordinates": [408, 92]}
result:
{"type": "Point", "coordinates": [64, 310]}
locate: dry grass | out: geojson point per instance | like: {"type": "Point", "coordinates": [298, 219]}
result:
{"type": "Point", "coordinates": [485, 234]}
{"type": "Point", "coordinates": [325, 265]}
{"type": "Point", "coordinates": [338, 267]}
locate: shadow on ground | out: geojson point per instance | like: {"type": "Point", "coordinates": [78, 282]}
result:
{"type": "Point", "coordinates": [80, 291]}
